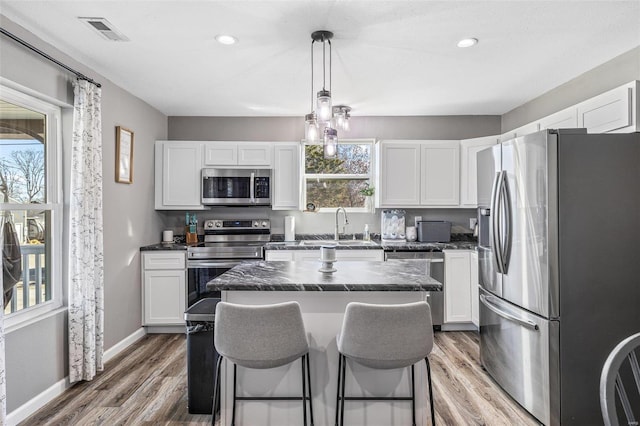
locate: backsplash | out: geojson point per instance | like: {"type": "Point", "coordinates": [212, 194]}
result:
{"type": "Point", "coordinates": [315, 223]}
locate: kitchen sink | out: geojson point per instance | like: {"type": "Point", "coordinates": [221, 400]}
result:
{"type": "Point", "coordinates": [349, 243]}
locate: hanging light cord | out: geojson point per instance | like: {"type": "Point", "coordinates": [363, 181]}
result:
{"type": "Point", "coordinates": [324, 66]}
{"type": "Point", "coordinates": [312, 41]}
{"type": "Point", "coordinates": [329, 41]}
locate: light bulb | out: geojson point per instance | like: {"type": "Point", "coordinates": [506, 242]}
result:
{"type": "Point", "coordinates": [330, 142]}
{"type": "Point", "coordinates": [324, 105]}
{"type": "Point", "coordinates": [311, 127]}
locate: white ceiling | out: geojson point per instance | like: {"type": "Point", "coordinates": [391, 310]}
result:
{"type": "Point", "coordinates": [389, 57]}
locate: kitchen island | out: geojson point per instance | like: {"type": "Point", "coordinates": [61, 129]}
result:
{"type": "Point", "coordinates": [323, 298]}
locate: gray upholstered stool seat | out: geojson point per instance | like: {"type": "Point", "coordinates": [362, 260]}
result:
{"type": "Point", "coordinates": [260, 337]}
{"type": "Point", "coordinates": [385, 337]}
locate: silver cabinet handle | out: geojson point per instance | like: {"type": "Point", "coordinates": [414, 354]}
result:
{"type": "Point", "coordinates": [525, 323]}
{"type": "Point", "coordinates": [252, 187]}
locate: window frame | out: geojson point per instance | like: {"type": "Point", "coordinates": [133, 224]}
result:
{"type": "Point", "coordinates": [54, 204]}
{"type": "Point", "coordinates": [371, 175]}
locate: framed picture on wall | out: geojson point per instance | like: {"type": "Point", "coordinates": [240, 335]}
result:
{"type": "Point", "coordinates": [124, 155]}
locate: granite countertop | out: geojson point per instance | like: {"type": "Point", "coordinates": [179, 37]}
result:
{"type": "Point", "coordinates": [164, 246]}
{"type": "Point", "coordinates": [401, 275]}
{"type": "Point", "coordinates": [374, 245]}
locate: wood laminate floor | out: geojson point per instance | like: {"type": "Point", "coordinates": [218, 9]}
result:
{"type": "Point", "coordinates": [146, 385]}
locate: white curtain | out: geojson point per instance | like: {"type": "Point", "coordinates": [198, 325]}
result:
{"type": "Point", "coordinates": [3, 387]}
{"type": "Point", "coordinates": [86, 264]}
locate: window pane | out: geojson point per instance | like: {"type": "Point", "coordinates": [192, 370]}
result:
{"type": "Point", "coordinates": [22, 155]}
{"type": "Point", "coordinates": [27, 265]}
{"type": "Point", "coordinates": [351, 159]}
{"type": "Point", "coordinates": [335, 193]}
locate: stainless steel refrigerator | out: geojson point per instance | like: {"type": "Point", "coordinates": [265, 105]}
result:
{"type": "Point", "coordinates": [559, 265]}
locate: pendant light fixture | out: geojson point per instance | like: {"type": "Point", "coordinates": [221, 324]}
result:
{"type": "Point", "coordinates": [325, 118]}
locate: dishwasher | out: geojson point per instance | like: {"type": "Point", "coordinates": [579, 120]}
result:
{"type": "Point", "coordinates": [435, 268]}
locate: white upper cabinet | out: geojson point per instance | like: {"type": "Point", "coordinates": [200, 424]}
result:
{"type": "Point", "coordinates": [608, 112]}
{"type": "Point", "coordinates": [440, 181]}
{"type": "Point", "coordinates": [177, 175]}
{"type": "Point", "coordinates": [565, 119]}
{"type": "Point", "coordinates": [238, 154]}
{"type": "Point", "coordinates": [469, 149]}
{"type": "Point", "coordinates": [399, 174]}
{"type": "Point", "coordinates": [286, 176]}
{"type": "Point", "coordinates": [419, 173]}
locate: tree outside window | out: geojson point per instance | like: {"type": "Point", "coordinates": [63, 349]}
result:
{"type": "Point", "coordinates": [338, 182]}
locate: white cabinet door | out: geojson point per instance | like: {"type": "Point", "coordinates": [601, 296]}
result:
{"type": "Point", "coordinates": [469, 149]}
{"type": "Point", "coordinates": [177, 175]}
{"type": "Point", "coordinates": [440, 177]}
{"type": "Point", "coordinates": [607, 112]}
{"type": "Point", "coordinates": [399, 174]}
{"type": "Point", "coordinates": [307, 255]}
{"type": "Point", "coordinates": [255, 154]}
{"type": "Point", "coordinates": [221, 153]}
{"type": "Point", "coordinates": [475, 292]}
{"type": "Point", "coordinates": [363, 255]}
{"type": "Point", "coordinates": [286, 177]}
{"type": "Point", "coordinates": [164, 297]}
{"type": "Point", "coordinates": [281, 255]}
{"type": "Point", "coordinates": [565, 119]}
{"type": "Point", "coordinates": [457, 288]}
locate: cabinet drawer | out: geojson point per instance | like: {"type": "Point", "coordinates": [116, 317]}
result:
{"type": "Point", "coordinates": [163, 260]}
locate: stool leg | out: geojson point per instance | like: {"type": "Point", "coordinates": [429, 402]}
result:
{"type": "Point", "coordinates": [338, 389]}
{"type": "Point", "coordinates": [309, 381]}
{"type": "Point", "coordinates": [304, 392]}
{"type": "Point", "coordinates": [413, 395]}
{"type": "Point", "coordinates": [344, 365]}
{"type": "Point", "coordinates": [233, 411]}
{"type": "Point", "coordinates": [216, 391]}
{"type": "Point", "coordinates": [433, 411]}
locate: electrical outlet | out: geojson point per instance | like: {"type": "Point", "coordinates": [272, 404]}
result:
{"type": "Point", "coordinates": [472, 222]}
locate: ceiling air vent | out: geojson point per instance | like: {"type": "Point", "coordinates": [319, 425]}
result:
{"type": "Point", "coordinates": [105, 29]}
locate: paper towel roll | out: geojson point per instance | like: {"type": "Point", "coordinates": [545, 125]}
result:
{"type": "Point", "coordinates": [289, 228]}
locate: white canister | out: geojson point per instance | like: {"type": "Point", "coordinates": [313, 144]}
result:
{"type": "Point", "coordinates": [327, 253]}
{"type": "Point", "coordinates": [412, 233]}
{"type": "Point", "coordinates": [167, 236]}
{"type": "Point", "coordinates": [289, 228]}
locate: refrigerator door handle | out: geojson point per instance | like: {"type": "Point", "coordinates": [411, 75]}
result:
{"type": "Point", "coordinates": [486, 301]}
{"type": "Point", "coordinates": [506, 221]}
{"type": "Point", "coordinates": [495, 223]}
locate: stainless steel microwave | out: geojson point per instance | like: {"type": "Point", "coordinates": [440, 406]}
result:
{"type": "Point", "coordinates": [236, 187]}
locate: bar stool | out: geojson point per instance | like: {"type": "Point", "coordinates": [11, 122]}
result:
{"type": "Point", "coordinates": [385, 337]}
{"type": "Point", "coordinates": [261, 337]}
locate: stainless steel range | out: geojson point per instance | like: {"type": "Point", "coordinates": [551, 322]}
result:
{"type": "Point", "coordinates": [226, 244]}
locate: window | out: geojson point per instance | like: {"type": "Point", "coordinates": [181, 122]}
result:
{"type": "Point", "coordinates": [30, 201]}
{"type": "Point", "coordinates": [338, 182]}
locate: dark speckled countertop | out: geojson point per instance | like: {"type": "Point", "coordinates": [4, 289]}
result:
{"type": "Point", "coordinates": [401, 275]}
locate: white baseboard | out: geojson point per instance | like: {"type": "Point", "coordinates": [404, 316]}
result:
{"type": "Point", "coordinates": [123, 344]}
{"type": "Point", "coordinates": [37, 402]}
{"type": "Point", "coordinates": [58, 388]}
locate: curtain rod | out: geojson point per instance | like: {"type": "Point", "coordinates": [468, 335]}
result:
{"type": "Point", "coordinates": [44, 55]}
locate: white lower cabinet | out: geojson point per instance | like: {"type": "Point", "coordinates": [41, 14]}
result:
{"type": "Point", "coordinates": [457, 289]}
{"type": "Point", "coordinates": [314, 255]}
{"type": "Point", "coordinates": [475, 291]}
{"type": "Point", "coordinates": [164, 288]}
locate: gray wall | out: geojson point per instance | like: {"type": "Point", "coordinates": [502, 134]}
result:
{"type": "Point", "coordinates": [36, 355]}
{"type": "Point", "coordinates": [292, 128]}
{"type": "Point", "coordinates": [618, 71]}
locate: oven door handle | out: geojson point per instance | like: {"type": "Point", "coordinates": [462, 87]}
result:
{"type": "Point", "coordinates": [199, 265]}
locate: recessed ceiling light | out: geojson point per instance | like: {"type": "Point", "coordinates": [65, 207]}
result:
{"type": "Point", "coordinates": [467, 42]}
{"type": "Point", "coordinates": [226, 39]}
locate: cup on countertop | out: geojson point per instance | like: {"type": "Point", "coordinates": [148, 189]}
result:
{"type": "Point", "coordinates": [167, 236]}
{"type": "Point", "coordinates": [411, 233]}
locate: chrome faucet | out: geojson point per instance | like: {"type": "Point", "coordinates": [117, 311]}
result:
{"type": "Point", "coordinates": [346, 222]}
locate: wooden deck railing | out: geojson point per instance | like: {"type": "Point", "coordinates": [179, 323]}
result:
{"type": "Point", "coordinates": [33, 288]}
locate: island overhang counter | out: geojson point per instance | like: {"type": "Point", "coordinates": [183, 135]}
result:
{"type": "Point", "coordinates": [323, 298]}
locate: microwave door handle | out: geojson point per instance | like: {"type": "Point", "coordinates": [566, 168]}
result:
{"type": "Point", "coordinates": [252, 187]}
{"type": "Point", "coordinates": [494, 240]}
{"type": "Point", "coordinates": [507, 225]}
{"type": "Point", "coordinates": [486, 301]}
